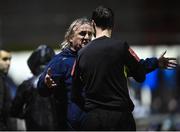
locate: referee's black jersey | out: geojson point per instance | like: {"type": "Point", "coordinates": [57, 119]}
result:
{"type": "Point", "coordinates": [99, 75]}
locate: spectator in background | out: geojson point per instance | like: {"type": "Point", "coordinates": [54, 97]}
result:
{"type": "Point", "coordinates": [38, 112]}
{"type": "Point", "coordinates": [6, 123]}
{"type": "Point", "coordinates": [56, 78]}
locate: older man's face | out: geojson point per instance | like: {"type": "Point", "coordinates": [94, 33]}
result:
{"type": "Point", "coordinates": [82, 35]}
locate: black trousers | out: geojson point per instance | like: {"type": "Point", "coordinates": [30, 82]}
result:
{"type": "Point", "coordinates": [101, 119]}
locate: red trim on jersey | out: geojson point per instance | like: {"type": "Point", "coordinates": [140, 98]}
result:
{"type": "Point", "coordinates": [134, 54]}
{"type": "Point", "coordinates": [73, 68]}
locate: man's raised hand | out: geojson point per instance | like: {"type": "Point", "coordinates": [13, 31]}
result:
{"type": "Point", "coordinates": [50, 83]}
{"type": "Point", "coordinates": [167, 62]}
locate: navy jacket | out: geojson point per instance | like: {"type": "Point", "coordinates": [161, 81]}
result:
{"type": "Point", "coordinates": [61, 67]}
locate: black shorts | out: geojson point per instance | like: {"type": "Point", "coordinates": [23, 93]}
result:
{"type": "Point", "coordinates": [102, 119]}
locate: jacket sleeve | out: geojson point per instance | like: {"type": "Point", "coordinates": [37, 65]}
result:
{"type": "Point", "coordinates": [58, 69]}
{"type": "Point", "coordinates": [43, 90]}
{"type": "Point", "coordinates": [150, 64]}
{"type": "Point", "coordinates": [132, 61]}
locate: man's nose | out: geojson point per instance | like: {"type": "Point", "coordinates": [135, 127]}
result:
{"type": "Point", "coordinates": [87, 36]}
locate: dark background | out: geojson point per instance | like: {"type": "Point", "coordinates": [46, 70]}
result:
{"type": "Point", "coordinates": [24, 24]}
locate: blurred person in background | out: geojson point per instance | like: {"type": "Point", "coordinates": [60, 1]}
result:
{"type": "Point", "coordinates": [6, 122]}
{"type": "Point", "coordinates": [38, 112]}
{"type": "Point", "coordinates": [56, 78]}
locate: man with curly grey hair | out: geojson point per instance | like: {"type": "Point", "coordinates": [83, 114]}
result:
{"type": "Point", "coordinates": [57, 79]}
